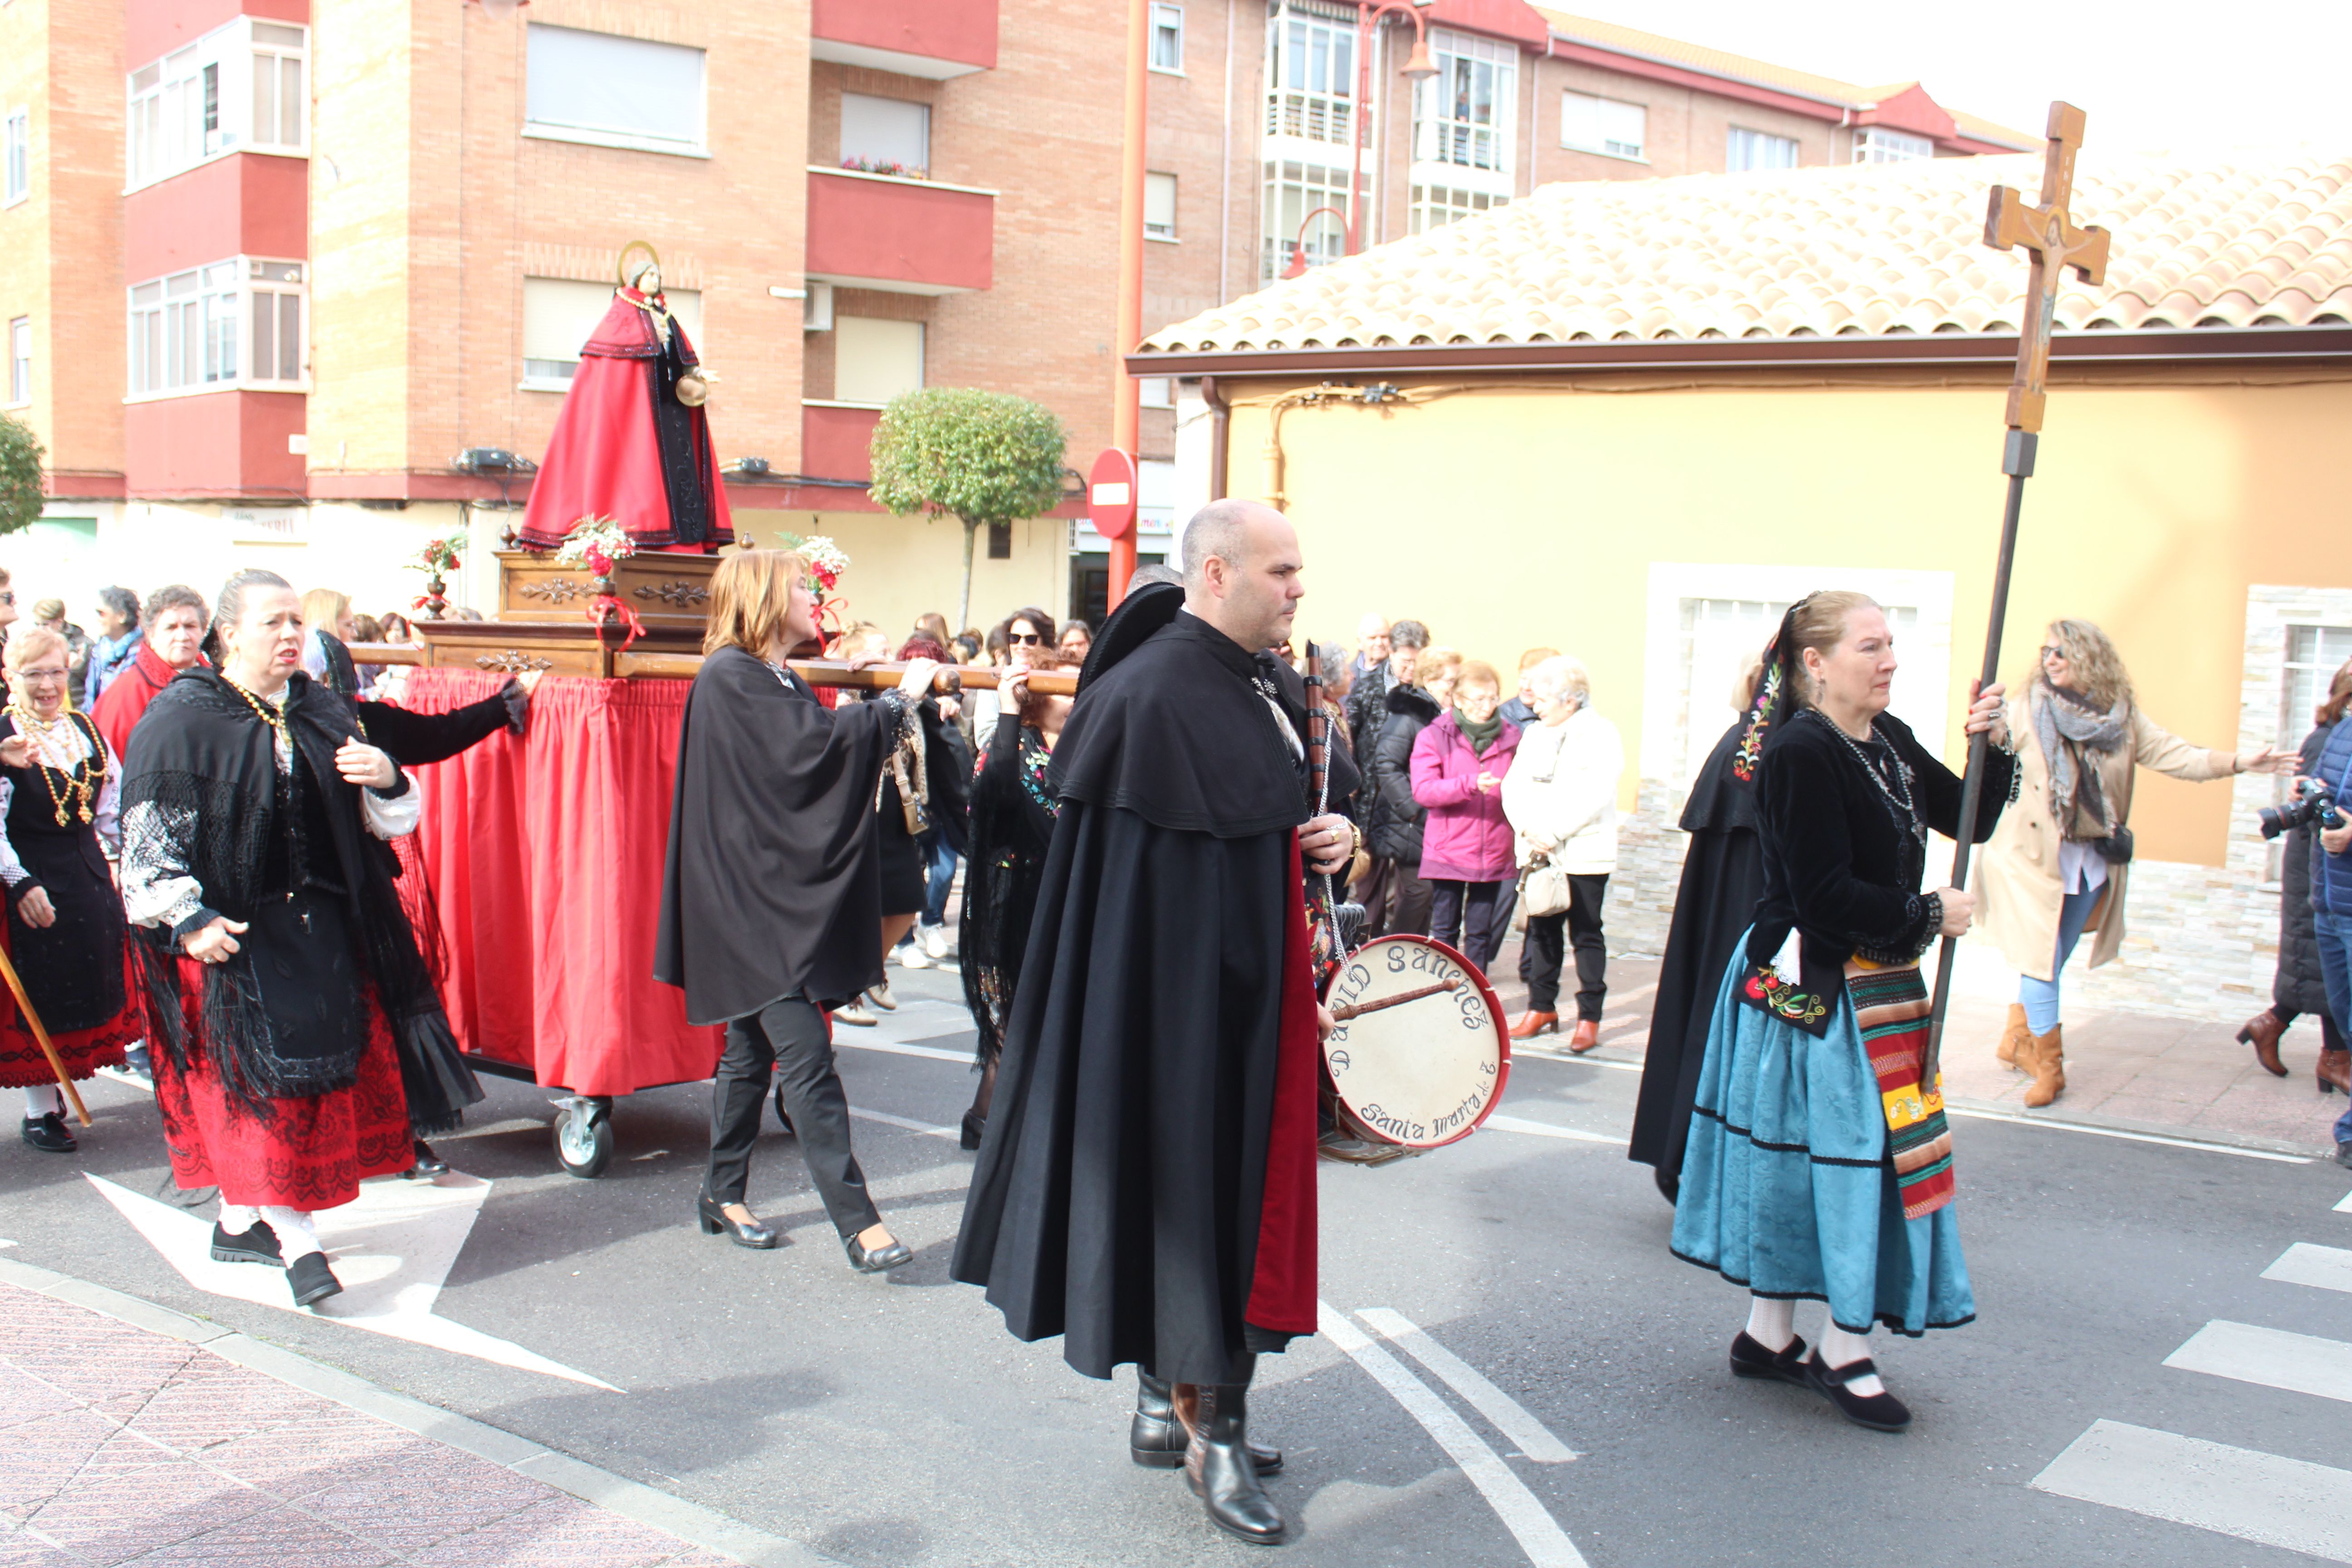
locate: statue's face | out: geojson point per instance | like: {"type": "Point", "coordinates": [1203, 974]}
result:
{"type": "Point", "coordinates": [649, 281]}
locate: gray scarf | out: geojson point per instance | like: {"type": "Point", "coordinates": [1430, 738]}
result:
{"type": "Point", "coordinates": [2071, 715]}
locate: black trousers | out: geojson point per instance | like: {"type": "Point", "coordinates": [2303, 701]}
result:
{"type": "Point", "coordinates": [786, 1038]}
{"type": "Point", "coordinates": [1548, 936]}
{"type": "Point", "coordinates": [1473, 918]}
{"type": "Point", "coordinates": [1394, 897]}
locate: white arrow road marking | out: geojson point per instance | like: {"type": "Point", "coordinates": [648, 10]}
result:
{"type": "Point", "coordinates": [2300, 1363]}
{"type": "Point", "coordinates": [2235, 1491]}
{"type": "Point", "coordinates": [391, 1249]}
{"type": "Point", "coordinates": [1546, 1544]}
{"type": "Point", "coordinates": [2328, 1267]}
{"type": "Point", "coordinates": [1508, 1415]}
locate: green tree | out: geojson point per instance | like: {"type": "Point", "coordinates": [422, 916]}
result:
{"type": "Point", "coordinates": [20, 475]}
{"type": "Point", "coordinates": [983, 457]}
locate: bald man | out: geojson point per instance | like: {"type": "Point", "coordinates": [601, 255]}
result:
{"type": "Point", "coordinates": [1146, 1188]}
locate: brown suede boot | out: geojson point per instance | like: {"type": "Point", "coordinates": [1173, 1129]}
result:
{"type": "Point", "coordinates": [2048, 1065]}
{"type": "Point", "coordinates": [2336, 1071]}
{"type": "Point", "coordinates": [2014, 1039]}
{"type": "Point", "coordinates": [2261, 1032]}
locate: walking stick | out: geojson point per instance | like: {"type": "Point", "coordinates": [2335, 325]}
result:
{"type": "Point", "coordinates": [57, 1063]}
{"type": "Point", "coordinates": [2053, 244]}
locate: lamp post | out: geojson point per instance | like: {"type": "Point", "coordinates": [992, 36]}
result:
{"type": "Point", "coordinates": [1418, 67]}
{"type": "Point", "coordinates": [1297, 267]}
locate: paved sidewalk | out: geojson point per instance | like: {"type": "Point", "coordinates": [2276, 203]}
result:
{"type": "Point", "coordinates": [122, 1446]}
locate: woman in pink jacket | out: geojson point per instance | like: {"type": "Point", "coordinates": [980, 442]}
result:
{"type": "Point", "coordinates": [1466, 855]}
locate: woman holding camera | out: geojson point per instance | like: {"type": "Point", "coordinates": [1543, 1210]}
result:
{"type": "Point", "coordinates": [2058, 865]}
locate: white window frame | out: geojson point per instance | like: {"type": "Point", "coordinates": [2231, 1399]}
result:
{"type": "Point", "coordinates": [1165, 232]}
{"type": "Point", "coordinates": [19, 157]}
{"type": "Point", "coordinates": [1167, 21]}
{"type": "Point", "coordinates": [20, 362]}
{"type": "Point", "coordinates": [1472, 155]}
{"type": "Point", "coordinates": [1603, 146]}
{"type": "Point", "coordinates": [1317, 186]}
{"type": "Point", "coordinates": [1310, 88]}
{"type": "Point", "coordinates": [192, 331]}
{"type": "Point", "coordinates": [1878, 144]}
{"type": "Point", "coordinates": [265, 42]}
{"type": "Point", "coordinates": [922, 358]}
{"type": "Point", "coordinates": [1759, 141]}
{"type": "Point", "coordinates": [195, 104]}
{"type": "Point", "coordinates": [618, 137]}
{"type": "Point", "coordinates": [919, 169]}
{"type": "Point", "coordinates": [1435, 205]}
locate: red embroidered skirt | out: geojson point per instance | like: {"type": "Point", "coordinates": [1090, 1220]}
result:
{"type": "Point", "coordinates": [84, 1051]}
{"type": "Point", "coordinates": [311, 1153]}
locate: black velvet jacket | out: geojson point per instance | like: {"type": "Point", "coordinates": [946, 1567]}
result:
{"type": "Point", "coordinates": [1841, 866]}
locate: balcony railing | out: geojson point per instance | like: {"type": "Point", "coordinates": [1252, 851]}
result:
{"type": "Point", "coordinates": [933, 38]}
{"type": "Point", "coordinates": [902, 235]}
{"type": "Point", "coordinates": [1310, 116]}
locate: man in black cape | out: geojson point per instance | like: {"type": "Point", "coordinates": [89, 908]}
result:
{"type": "Point", "coordinates": [1146, 1188]}
{"type": "Point", "coordinates": [1723, 876]}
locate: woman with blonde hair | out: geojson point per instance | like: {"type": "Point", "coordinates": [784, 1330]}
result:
{"type": "Point", "coordinates": [771, 892]}
{"type": "Point", "coordinates": [2060, 863]}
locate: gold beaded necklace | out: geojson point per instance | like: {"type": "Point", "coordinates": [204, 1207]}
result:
{"type": "Point", "coordinates": [267, 712]}
{"type": "Point", "coordinates": [77, 798]}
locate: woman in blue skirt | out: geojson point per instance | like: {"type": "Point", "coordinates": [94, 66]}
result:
{"type": "Point", "coordinates": [1818, 1166]}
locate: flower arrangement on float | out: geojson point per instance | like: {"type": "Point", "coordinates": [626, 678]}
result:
{"type": "Point", "coordinates": [597, 543]}
{"type": "Point", "coordinates": [438, 555]}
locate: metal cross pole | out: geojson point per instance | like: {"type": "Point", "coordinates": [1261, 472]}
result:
{"type": "Point", "coordinates": [2053, 244]}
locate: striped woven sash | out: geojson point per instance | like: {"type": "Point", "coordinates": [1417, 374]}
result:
{"type": "Point", "coordinates": [1890, 1007]}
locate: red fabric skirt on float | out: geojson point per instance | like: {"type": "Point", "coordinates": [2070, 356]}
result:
{"type": "Point", "coordinates": [84, 1051]}
{"type": "Point", "coordinates": [310, 1153]}
{"type": "Point", "coordinates": [544, 856]}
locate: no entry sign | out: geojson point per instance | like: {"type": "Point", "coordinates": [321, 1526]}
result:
{"type": "Point", "coordinates": [1110, 493]}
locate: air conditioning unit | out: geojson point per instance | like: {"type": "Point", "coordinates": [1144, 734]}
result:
{"type": "Point", "coordinates": [816, 315]}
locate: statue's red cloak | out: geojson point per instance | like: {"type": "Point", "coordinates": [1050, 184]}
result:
{"type": "Point", "coordinates": [625, 447]}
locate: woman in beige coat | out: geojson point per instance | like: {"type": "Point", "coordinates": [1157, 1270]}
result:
{"type": "Point", "coordinates": [2059, 863]}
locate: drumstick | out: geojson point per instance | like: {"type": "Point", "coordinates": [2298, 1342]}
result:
{"type": "Point", "coordinates": [1346, 1010]}
{"type": "Point", "coordinates": [57, 1063]}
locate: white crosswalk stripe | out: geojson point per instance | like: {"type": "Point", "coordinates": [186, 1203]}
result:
{"type": "Point", "coordinates": [2300, 1363]}
{"type": "Point", "coordinates": [2328, 1267]}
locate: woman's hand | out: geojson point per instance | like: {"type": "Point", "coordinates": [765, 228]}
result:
{"type": "Point", "coordinates": [1013, 689]}
{"type": "Point", "coordinates": [15, 751]}
{"type": "Point", "coordinates": [1329, 843]}
{"type": "Point", "coordinates": [1487, 782]}
{"type": "Point", "coordinates": [2266, 760]}
{"type": "Point", "coordinates": [1324, 1023]}
{"type": "Point", "coordinates": [1989, 712]}
{"type": "Point", "coordinates": [915, 684]}
{"type": "Point", "coordinates": [363, 764]}
{"type": "Point", "coordinates": [215, 943]}
{"type": "Point", "coordinates": [39, 912]}
{"type": "Point", "coordinates": [1959, 910]}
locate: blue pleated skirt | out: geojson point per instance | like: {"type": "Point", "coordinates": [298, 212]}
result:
{"type": "Point", "coordinates": [1786, 1186]}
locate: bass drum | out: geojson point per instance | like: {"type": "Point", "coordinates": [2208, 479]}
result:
{"type": "Point", "coordinates": [1420, 1053]}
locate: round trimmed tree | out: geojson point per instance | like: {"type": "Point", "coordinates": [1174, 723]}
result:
{"type": "Point", "coordinates": [20, 475]}
{"type": "Point", "coordinates": [982, 457]}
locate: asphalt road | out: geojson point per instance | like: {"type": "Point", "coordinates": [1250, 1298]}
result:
{"type": "Point", "coordinates": [893, 1421]}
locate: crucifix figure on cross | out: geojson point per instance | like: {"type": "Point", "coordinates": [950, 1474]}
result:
{"type": "Point", "coordinates": [2053, 244]}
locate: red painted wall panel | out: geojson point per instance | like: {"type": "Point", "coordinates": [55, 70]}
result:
{"type": "Point", "coordinates": [225, 445]}
{"type": "Point", "coordinates": [835, 443]}
{"type": "Point", "coordinates": [247, 203]}
{"type": "Point", "coordinates": [1499, 18]}
{"type": "Point", "coordinates": [153, 28]}
{"type": "Point", "coordinates": [960, 30]}
{"type": "Point", "coordinates": [905, 231]}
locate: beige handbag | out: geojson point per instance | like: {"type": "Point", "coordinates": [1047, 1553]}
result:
{"type": "Point", "coordinates": [1543, 889]}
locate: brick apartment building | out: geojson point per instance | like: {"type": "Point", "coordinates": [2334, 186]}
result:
{"type": "Point", "coordinates": [284, 279]}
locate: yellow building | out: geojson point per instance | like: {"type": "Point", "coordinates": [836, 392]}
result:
{"type": "Point", "coordinates": [1634, 419]}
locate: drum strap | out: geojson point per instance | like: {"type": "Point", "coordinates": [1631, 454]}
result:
{"type": "Point", "coordinates": [1890, 1007]}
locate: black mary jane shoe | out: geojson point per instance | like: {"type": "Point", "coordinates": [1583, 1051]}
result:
{"type": "Point", "coordinates": [49, 1134]}
{"type": "Point", "coordinates": [716, 1221]}
{"type": "Point", "coordinates": [1219, 1467]}
{"type": "Point", "coordinates": [255, 1244]}
{"type": "Point", "coordinates": [1156, 1437]}
{"type": "Point", "coordinates": [311, 1279]}
{"type": "Point", "coordinates": [897, 1253]}
{"type": "Point", "coordinates": [428, 1164]}
{"type": "Point", "coordinates": [973, 1127]}
{"type": "Point", "coordinates": [1879, 1412]}
{"type": "Point", "coordinates": [1750, 1359]}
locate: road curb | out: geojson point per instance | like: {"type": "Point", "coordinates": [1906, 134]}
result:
{"type": "Point", "coordinates": [632, 1500]}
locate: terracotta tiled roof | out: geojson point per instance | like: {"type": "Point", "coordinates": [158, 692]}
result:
{"type": "Point", "coordinates": [1762, 73]}
{"type": "Point", "coordinates": [1874, 249]}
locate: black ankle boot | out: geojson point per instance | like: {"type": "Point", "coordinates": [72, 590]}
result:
{"type": "Point", "coordinates": [1157, 1437]}
{"type": "Point", "coordinates": [1218, 1465]}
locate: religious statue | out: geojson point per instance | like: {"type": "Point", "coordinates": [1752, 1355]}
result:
{"type": "Point", "coordinates": [633, 441]}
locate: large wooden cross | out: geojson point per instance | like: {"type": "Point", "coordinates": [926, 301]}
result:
{"type": "Point", "coordinates": [2053, 244]}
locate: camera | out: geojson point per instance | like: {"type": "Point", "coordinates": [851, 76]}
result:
{"type": "Point", "coordinates": [2316, 805]}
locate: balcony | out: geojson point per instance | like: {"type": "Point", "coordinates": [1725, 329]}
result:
{"type": "Point", "coordinates": [933, 38]}
{"type": "Point", "coordinates": [836, 438]}
{"type": "Point", "coordinates": [901, 235]}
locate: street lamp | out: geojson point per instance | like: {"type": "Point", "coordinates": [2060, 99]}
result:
{"type": "Point", "coordinates": [1418, 67]}
{"type": "Point", "coordinates": [1297, 267]}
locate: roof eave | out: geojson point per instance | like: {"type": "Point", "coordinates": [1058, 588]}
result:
{"type": "Point", "coordinates": [2199, 345]}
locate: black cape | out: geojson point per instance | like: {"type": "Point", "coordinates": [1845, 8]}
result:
{"type": "Point", "coordinates": [1723, 876]}
{"type": "Point", "coordinates": [1120, 1184]}
{"type": "Point", "coordinates": [771, 886]}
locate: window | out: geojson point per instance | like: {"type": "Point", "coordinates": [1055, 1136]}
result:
{"type": "Point", "coordinates": [1168, 40]}
{"type": "Point", "coordinates": [1157, 391]}
{"type": "Point", "coordinates": [1593, 124]}
{"type": "Point", "coordinates": [1876, 144]}
{"type": "Point", "coordinates": [1293, 191]}
{"type": "Point", "coordinates": [236, 323]}
{"type": "Point", "coordinates": [1160, 207]}
{"type": "Point", "coordinates": [885, 135]}
{"type": "Point", "coordinates": [612, 92]}
{"type": "Point", "coordinates": [20, 361]}
{"type": "Point", "coordinates": [558, 314]}
{"type": "Point", "coordinates": [1756, 150]}
{"type": "Point", "coordinates": [2314, 655]}
{"type": "Point", "coordinates": [1462, 115]}
{"type": "Point", "coordinates": [1310, 78]}
{"type": "Point", "coordinates": [1435, 206]}
{"type": "Point", "coordinates": [874, 360]}
{"type": "Point", "coordinates": [19, 155]}
{"type": "Point", "coordinates": [240, 87]}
